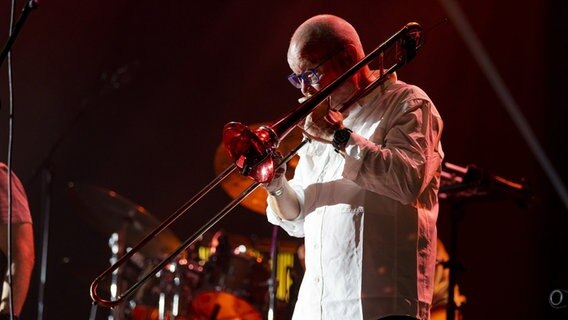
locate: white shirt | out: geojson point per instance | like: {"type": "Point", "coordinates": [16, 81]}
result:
{"type": "Point", "coordinates": [369, 218]}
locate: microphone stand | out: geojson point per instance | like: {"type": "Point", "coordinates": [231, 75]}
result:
{"type": "Point", "coordinates": [45, 170]}
{"type": "Point", "coordinates": [46, 191]}
{"type": "Point", "coordinates": [32, 4]}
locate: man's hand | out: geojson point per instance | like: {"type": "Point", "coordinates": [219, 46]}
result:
{"type": "Point", "coordinates": [274, 187]}
{"type": "Point", "coordinates": [322, 122]}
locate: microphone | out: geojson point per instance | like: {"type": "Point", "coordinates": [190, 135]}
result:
{"type": "Point", "coordinates": [558, 299]}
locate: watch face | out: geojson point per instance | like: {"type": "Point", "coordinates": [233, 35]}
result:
{"type": "Point", "coordinates": [342, 136]}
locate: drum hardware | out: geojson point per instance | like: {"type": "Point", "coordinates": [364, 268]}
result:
{"type": "Point", "coordinates": [117, 249]}
{"type": "Point", "coordinates": [272, 281]}
{"type": "Point", "coordinates": [168, 294]}
{"type": "Point", "coordinates": [473, 182]}
{"type": "Point", "coordinates": [253, 153]}
{"type": "Point", "coordinates": [127, 223]}
{"type": "Point", "coordinates": [234, 281]}
{"type": "Point", "coordinates": [458, 186]}
{"type": "Point", "coordinates": [108, 212]}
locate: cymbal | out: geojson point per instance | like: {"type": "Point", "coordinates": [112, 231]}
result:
{"type": "Point", "coordinates": [235, 183]}
{"type": "Point", "coordinates": [109, 212]}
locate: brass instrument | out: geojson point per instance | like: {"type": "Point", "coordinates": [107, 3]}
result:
{"type": "Point", "coordinates": [254, 151]}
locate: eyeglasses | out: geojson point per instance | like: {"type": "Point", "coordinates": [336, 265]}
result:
{"type": "Point", "coordinates": [310, 76]}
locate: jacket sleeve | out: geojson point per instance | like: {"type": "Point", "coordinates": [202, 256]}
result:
{"type": "Point", "coordinates": [404, 153]}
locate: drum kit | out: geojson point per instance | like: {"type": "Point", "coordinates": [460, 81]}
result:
{"type": "Point", "coordinates": [222, 276]}
{"type": "Point", "coordinates": [232, 287]}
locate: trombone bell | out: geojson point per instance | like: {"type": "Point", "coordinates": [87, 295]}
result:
{"type": "Point", "coordinates": [251, 150]}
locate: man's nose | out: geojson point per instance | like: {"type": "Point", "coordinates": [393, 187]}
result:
{"type": "Point", "coordinates": [307, 89]}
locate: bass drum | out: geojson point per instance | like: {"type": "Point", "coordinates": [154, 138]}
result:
{"type": "Point", "coordinates": [232, 287]}
{"type": "Point", "coordinates": [167, 295]}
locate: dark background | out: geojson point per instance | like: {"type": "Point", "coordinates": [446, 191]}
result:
{"type": "Point", "coordinates": [133, 96]}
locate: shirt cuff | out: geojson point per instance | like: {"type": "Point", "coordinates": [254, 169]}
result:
{"type": "Point", "coordinates": [353, 155]}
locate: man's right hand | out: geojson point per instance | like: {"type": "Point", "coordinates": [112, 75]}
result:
{"type": "Point", "coordinates": [277, 183]}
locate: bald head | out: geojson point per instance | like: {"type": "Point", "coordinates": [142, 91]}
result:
{"type": "Point", "coordinates": [321, 36]}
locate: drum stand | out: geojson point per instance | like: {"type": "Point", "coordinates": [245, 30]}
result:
{"type": "Point", "coordinates": [472, 183]}
{"type": "Point", "coordinates": [456, 213]}
{"type": "Point", "coordinates": [174, 293]}
{"type": "Point", "coordinates": [464, 186]}
{"type": "Point", "coordinates": [117, 249]}
{"type": "Point", "coordinates": [117, 244]}
{"type": "Point", "coordinates": [273, 267]}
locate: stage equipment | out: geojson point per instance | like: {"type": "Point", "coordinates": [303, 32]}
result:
{"type": "Point", "coordinates": [126, 223]}
{"type": "Point", "coordinates": [108, 212]}
{"type": "Point", "coordinates": [233, 286]}
{"type": "Point", "coordinates": [254, 151]}
{"type": "Point", "coordinates": [464, 184]}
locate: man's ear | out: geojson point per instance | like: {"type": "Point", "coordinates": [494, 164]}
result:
{"type": "Point", "coordinates": [349, 55]}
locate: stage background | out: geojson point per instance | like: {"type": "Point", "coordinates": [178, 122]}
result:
{"type": "Point", "coordinates": [132, 96]}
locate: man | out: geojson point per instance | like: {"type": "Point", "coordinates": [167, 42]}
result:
{"type": "Point", "coordinates": [441, 284]}
{"type": "Point", "coordinates": [22, 253]}
{"type": "Point", "coordinates": [365, 191]}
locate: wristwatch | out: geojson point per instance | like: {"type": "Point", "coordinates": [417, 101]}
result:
{"type": "Point", "coordinates": [340, 138]}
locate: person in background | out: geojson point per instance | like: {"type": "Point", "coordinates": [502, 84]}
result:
{"type": "Point", "coordinates": [364, 195]}
{"type": "Point", "coordinates": [22, 245]}
{"type": "Point", "coordinates": [296, 273]}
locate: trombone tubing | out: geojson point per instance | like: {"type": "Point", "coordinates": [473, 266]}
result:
{"type": "Point", "coordinates": [183, 209]}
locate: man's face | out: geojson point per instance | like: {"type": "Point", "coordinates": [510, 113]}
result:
{"type": "Point", "coordinates": [309, 76]}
